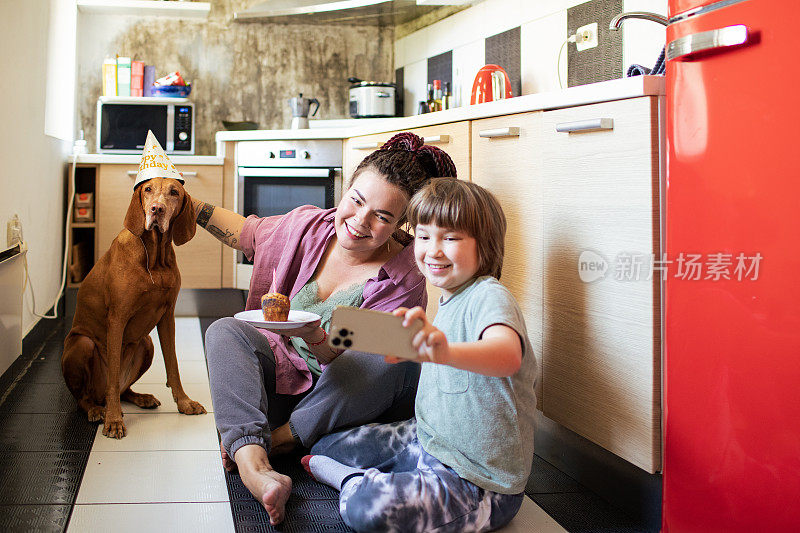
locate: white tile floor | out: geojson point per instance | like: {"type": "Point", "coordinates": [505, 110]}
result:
{"type": "Point", "coordinates": [166, 474]}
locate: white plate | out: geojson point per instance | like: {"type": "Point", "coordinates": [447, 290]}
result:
{"type": "Point", "coordinates": [296, 319]}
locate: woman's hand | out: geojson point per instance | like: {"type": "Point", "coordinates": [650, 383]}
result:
{"type": "Point", "coordinates": [430, 343]}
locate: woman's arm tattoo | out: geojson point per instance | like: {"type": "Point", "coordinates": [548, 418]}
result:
{"type": "Point", "coordinates": [204, 215]}
{"type": "Point", "coordinates": [226, 236]}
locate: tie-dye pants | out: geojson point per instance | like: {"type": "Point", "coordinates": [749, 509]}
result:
{"type": "Point", "coordinates": [407, 489]}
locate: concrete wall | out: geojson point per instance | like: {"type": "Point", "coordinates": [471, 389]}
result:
{"type": "Point", "coordinates": [32, 163]}
{"type": "Point", "coordinates": [239, 71]}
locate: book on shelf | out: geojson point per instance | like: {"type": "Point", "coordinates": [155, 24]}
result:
{"type": "Point", "coordinates": [123, 76]}
{"type": "Point", "coordinates": [109, 77]}
{"type": "Point", "coordinates": [149, 78]}
{"type": "Point", "coordinates": [137, 78]}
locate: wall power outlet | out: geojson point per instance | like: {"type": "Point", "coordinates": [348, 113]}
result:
{"type": "Point", "coordinates": [586, 37]}
{"type": "Point", "coordinates": [13, 231]}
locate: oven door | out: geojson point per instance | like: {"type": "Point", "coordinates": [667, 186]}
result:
{"type": "Point", "coordinates": [276, 191]}
{"type": "Point", "coordinates": [268, 191]}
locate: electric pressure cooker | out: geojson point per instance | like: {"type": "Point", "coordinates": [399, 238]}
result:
{"type": "Point", "coordinates": [371, 99]}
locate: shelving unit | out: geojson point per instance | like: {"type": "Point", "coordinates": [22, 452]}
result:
{"type": "Point", "coordinates": [142, 8]}
{"type": "Point", "coordinates": [82, 235]}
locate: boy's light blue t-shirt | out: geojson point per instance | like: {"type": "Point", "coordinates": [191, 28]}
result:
{"type": "Point", "coordinates": [480, 426]}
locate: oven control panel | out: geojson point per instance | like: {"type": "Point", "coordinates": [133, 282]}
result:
{"type": "Point", "coordinates": [290, 153]}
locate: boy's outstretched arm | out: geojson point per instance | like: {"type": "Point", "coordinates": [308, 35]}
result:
{"type": "Point", "coordinates": [498, 353]}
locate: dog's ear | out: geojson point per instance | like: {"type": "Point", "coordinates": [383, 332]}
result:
{"type": "Point", "coordinates": [184, 224]}
{"type": "Point", "coordinates": [134, 218]}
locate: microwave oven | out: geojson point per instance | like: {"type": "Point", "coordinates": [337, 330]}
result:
{"type": "Point", "coordinates": [123, 122]}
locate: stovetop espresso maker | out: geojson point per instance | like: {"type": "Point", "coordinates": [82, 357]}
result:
{"type": "Point", "coordinates": [300, 107]}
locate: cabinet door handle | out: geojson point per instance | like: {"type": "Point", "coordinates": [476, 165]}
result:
{"type": "Point", "coordinates": [366, 146]}
{"type": "Point", "coordinates": [594, 124]}
{"type": "Point", "coordinates": [133, 173]}
{"type": "Point", "coordinates": [443, 139]}
{"type": "Point", "coordinates": [499, 132]}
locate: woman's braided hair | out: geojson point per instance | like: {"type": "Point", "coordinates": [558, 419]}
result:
{"type": "Point", "coordinates": [408, 163]}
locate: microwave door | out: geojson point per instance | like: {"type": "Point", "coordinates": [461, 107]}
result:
{"type": "Point", "coordinates": [124, 127]}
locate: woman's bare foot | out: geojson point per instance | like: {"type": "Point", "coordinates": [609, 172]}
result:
{"type": "Point", "coordinates": [265, 484]}
{"type": "Point", "coordinates": [227, 462]}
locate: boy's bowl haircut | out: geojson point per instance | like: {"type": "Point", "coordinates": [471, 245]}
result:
{"type": "Point", "coordinates": [468, 207]}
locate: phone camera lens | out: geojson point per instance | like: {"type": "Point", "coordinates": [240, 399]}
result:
{"type": "Point", "coordinates": [336, 341]}
{"type": "Point", "coordinates": [347, 343]}
{"type": "Point", "coordinates": [343, 332]}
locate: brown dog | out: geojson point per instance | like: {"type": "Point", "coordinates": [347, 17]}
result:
{"type": "Point", "coordinates": [131, 290]}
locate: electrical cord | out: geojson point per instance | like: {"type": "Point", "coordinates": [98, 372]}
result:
{"type": "Point", "coordinates": [28, 282]}
{"type": "Point", "coordinates": [571, 39]}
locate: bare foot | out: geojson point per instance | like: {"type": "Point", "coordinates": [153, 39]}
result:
{"type": "Point", "coordinates": [265, 484]}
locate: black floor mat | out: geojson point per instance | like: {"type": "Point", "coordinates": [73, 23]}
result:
{"type": "Point", "coordinates": [45, 438]}
{"type": "Point", "coordinates": [38, 518]}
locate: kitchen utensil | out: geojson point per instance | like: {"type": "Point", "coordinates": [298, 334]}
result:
{"type": "Point", "coordinates": [370, 99]}
{"type": "Point", "coordinates": [300, 108]}
{"type": "Point", "coordinates": [239, 125]}
{"type": "Point", "coordinates": [491, 83]}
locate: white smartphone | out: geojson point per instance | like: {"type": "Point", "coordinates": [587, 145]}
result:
{"type": "Point", "coordinates": [364, 330]}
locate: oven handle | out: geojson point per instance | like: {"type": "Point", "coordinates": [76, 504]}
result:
{"type": "Point", "coordinates": [276, 172]}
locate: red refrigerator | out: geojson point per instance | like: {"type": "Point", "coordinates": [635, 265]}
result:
{"type": "Point", "coordinates": [732, 242]}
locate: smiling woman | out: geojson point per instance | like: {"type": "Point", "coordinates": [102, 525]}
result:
{"type": "Point", "coordinates": [274, 390]}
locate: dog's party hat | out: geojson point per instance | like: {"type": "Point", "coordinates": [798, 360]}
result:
{"type": "Point", "coordinates": [155, 163]}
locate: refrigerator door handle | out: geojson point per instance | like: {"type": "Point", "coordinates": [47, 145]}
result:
{"type": "Point", "coordinates": [707, 40]}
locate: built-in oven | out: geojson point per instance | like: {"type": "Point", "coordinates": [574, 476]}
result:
{"type": "Point", "coordinates": [274, 177]}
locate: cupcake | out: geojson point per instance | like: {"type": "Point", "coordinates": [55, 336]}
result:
{"type": "Point", "coordinates": [275, 307]}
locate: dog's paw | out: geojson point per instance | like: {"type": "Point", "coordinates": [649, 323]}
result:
{"type": "Point", "coordinates": [114, 430]}
{"type": "Point", "coordinates": [190, 407]}
{"type": "Point", "coordinates": [145, 401]}
{"type": "Point", "coordinates": [96, 413]}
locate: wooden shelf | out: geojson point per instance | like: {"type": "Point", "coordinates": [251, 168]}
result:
{"type": "Point", "coordinates": [142, 8]}
{"type": "Point", "coordinates": [83, 225]}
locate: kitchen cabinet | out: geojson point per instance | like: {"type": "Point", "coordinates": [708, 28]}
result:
{"type": "Point", "coordinates": [200, 259]}
{"type": "Point", "coordinates": [601, 351]}
{"type": "Point", "coordinates": [453, 138]}
{"type": "Point", "coordinates": [507, 160]}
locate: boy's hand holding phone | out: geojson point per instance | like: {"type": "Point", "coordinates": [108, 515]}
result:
{"type": "Point", "coordinates": [430, 343]}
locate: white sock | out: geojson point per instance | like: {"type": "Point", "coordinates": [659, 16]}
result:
{"type": "Point", "coordinates": [331, 472]}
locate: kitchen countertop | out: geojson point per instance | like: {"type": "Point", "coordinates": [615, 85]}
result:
{"type": "Point", "coordinates": [135, 159]}
{"type": "Point", "coordinates": [584, 94]}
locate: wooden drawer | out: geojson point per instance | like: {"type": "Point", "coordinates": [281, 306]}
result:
{"type": "Point", "coordinates": [601, 344]}
{"type": "Point", "coordinates": [510, 167]}
{"type": "Point", "coordinates": [199, 260]}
